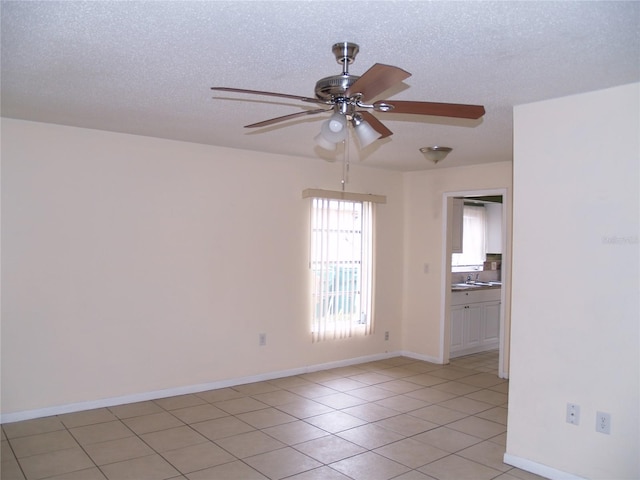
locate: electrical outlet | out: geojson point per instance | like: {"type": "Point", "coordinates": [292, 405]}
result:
{"type": "Point", "coordinates": [573, 413]}
{"type": "Point", "coordinates": [262, 339]}
{"type": "Point", "coordinates": [603, 422]}
{"type": "Point", "coordinates": [386, 336]}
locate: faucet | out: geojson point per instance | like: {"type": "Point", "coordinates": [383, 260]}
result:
{"type": "Point", "coordinates": [472, 281]}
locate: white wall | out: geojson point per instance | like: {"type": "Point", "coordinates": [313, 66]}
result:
{"type": "Point", "coordinates": [134, 264]}
{"type": "Point", "coordinates": [423, 292]}
{"type": "Point", "coordinates": [575, 335]}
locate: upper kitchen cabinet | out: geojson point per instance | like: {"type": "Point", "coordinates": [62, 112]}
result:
{"type": "Point", "coordinates": [494, 227]}
{"type": "Point", "coordinates": [457, 225]}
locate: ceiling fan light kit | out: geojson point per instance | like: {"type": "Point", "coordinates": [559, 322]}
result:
{"type": "Point", "coordinates": [347, 95]}
{"type": "Point", "coordinates": [334, 131]}
{"type": "Point", "coordinates": [436, 153]}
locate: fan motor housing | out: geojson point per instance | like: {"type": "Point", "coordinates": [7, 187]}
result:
{"type": "Point", "coordinates": [335, 86]}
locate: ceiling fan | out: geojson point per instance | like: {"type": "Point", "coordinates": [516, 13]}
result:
{"type": "Point", "coordinates": [347, 96]}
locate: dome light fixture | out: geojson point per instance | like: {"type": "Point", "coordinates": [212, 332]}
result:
{"type": "Point", "coordinates": [436, 153]}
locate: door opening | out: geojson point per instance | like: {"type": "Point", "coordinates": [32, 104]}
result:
{"type": "Point", "coordinates": [477, 267]}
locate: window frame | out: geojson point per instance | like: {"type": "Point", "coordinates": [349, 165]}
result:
{"type": "Point", "coordinates": [342, 289]}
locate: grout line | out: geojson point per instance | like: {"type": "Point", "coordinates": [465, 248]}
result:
{"type": "Point", "coordinates": [471, 366]}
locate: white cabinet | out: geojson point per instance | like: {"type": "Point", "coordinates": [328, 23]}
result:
{"type": "Point", "coordinates": [457, 222]}
{"type": "Point", "coordinates": [494, 227]}
{"type": "Point", "coordinates": [474, 321]}
{"type": "Point", "coordinates": [491, 332]}
{"type": "Point", "coordinates": [456, 322]}
{"type": "Point", "coordinates": [472, 329]}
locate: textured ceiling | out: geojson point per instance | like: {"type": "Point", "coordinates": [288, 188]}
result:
{"type": "Point", "coordinates": [145, 68]}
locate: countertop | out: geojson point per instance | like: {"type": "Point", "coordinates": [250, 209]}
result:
{"type": "Point", "coordinates": [465, 287]}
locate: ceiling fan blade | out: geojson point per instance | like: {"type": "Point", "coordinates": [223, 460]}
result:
{"type": "Point", "coordinates": [376, 80]}
{"type": "Point", "coordinates": [271, 94]}
{"type": "Point", "coordinates": [271, 121]}
{"type": "Point", "coordinates": [376, 124]}
{"type": "Point", "coordinates": [457, 110]}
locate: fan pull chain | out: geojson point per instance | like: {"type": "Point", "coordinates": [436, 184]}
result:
{"type": "Point", "coordinates": [345, 162]}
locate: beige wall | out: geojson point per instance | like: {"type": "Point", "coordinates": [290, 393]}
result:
{"type": "Point", "coordinates": [424, 233]}
{"type": "Point", "coordinates": [575, 333]}
{"type": "Point", "coordinates": [133, 264]}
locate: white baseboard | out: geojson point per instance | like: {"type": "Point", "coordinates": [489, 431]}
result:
{"type": "Point", "coordinates": [418, 356]}
{"type": "Point", "coordinates": [203, 387]}
{"type": "Point", "coordinates": [471, 351]}
{"type": "Point", "coordinates": [539, 468]}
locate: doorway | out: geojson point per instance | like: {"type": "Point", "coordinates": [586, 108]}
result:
{"type": "Point", "coordinates": [448, 277]}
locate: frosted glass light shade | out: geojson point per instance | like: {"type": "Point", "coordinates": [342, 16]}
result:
{"type": "Point", "coordinates": [324, 143]}
{"type": "Point", "coordinates": [337, 123]}
{"type": "Point", "coordinates": [435, 153]}
{"type": "Point", "coordinates": [365, 133]}
{"type": "Point", "coordinates": [328, 138]}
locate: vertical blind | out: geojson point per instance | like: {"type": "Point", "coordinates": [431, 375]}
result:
{"type": "Point", "coordinates": [341, 266]}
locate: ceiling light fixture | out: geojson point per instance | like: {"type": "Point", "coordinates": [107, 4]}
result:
{"type": "Point", "coordinates": [337, 122]}
{"type": "Point", "coordinates": [332, 132]}
{"type": "Point", "coordinates": [435, 153]}
{"type": "Point", "coordinates": [365, 133]}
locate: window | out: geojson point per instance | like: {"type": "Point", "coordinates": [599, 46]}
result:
{"type": "Point", "coordinates": [473, 237]}
{"type": "Point", "coordinates": [341, 266]}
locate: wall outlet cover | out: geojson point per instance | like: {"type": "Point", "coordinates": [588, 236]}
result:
{"type": "Point", "coordinates": [603, 422]}
{"type": "Point", "coordinates": [573, 413]}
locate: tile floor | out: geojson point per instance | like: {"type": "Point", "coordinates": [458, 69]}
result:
{"type": "Point", "coordinates": [397, 418]}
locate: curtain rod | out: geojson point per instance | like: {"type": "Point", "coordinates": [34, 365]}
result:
{"type": "Point", "coordinates": [358, 197]}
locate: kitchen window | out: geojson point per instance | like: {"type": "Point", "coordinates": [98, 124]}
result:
{"type": "Point", "coordinates": [474, 238]}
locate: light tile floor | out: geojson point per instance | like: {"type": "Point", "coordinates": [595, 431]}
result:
{"type": "Point", "coordinates": [397, 418]}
